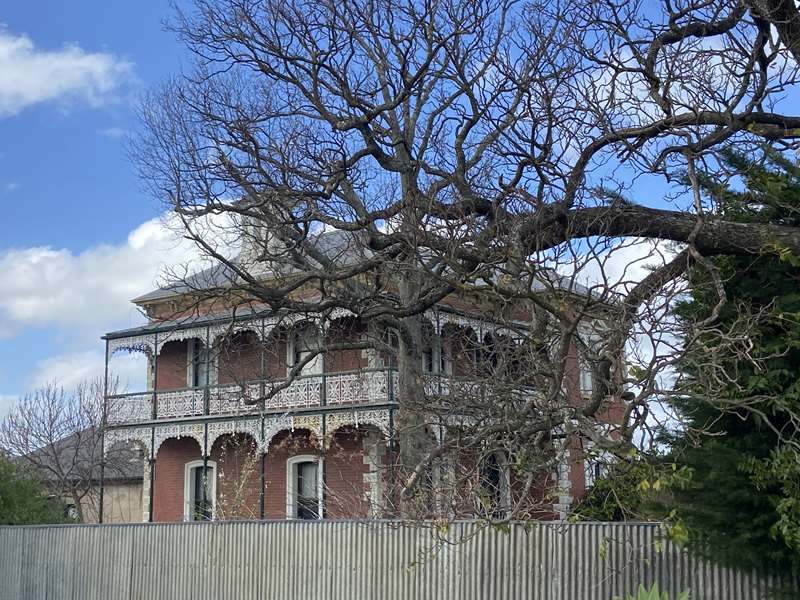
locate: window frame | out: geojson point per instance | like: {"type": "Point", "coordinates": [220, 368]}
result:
{"type": "Point", "coordinates": [501, 496]}
{"type": "Point", "coordinates": [585, 378]}
{"type": "Point", "coordinates": [197, 353]}
{"type": "Point", "coordinates": [294, 355]}
{"type": "Point", "coordinates": [291, 484]}
{"type": "Point", "coordinates": [188, 488]}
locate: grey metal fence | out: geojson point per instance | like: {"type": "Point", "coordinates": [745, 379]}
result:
{"type": "Point", "coordinates": [353, 560]}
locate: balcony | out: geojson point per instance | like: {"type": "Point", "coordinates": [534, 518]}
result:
{"type": "Point", "coordinates": [370, 386]}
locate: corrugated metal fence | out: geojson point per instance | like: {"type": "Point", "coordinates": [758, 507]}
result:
{"type": "Point", "coordinates": [352, 560]}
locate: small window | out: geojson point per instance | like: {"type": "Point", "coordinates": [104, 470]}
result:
{"type": "Point", "coordinates": [199, 491]}
{"type": "Point", "coordinates": [199, 364]}
{"type": "Point", "coordinates": [595, 463]}
{"type": "Point", "coordinates": [587, 381]}
{"type": "Point", "coordinates": [304, 488]}
{"type": "Point", "coordinates": [304, 343]}
{"type": "Point", "coordinates": [492, 489]}
{"type": "Point", "coordinates": [427, 360]}
{"type": "Point", "coordinates": [592, 472]}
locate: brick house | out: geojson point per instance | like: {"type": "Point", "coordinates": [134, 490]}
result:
{"type": "Point", "coordinates": [226, 435]}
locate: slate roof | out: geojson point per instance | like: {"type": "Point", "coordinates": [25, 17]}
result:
{"type": "Point", "coordinates": [341, 246]}
{"type": "Point", "coordinates": [123, 461]}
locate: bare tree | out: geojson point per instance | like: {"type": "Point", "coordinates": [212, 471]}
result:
{"type": "Point", "coordinates": [57, 434]}
{"type": "Point", "coordinates": [493, 152]}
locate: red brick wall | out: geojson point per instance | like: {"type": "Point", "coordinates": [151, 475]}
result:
{"type": "Point", "coordinates": [238, 477]}
{"type": "Point", "coordinates": [275, 355]}
{"type": "Point", "coordinates": [172, 366]}
{"type": "Point", "coordinates": [284, 445]}
{"type": "Point", "coordinates": [239, 359]}
{"type": "Point", "coordinates": [541, 496]}
{"type": "Point", "coordinates": [345, 331]}
{"type": "Point", "coordinates": [169, 471]}
{"type": "Point", "coordinates": [345, 488]}
{"type": "Point", "coordinates": [577, 474]}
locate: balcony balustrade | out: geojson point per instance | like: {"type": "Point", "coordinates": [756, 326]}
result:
{"type": "Point", "coordinates": [336, 389]}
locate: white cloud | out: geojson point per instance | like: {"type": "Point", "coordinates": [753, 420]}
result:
{"type": "Point", "coordinates": [29, 75]}
{"type": "Point", "coordinates": [11, 186]}
{"type": "Point", "coordinates": [612, 264]}
{"type": "Point", "coordinates": [77, 297]}
{"type": "Point", "coordinates": [114, 133]}
{"type": "Point", "coordinates": [82, 293]}
{"type": "Point", "coordinates": [68, 370]}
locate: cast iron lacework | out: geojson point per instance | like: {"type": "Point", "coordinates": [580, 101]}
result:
{"type": "Point", "coordinates": [377, 418]}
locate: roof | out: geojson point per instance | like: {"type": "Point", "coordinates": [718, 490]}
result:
{"type": "Point", "coordinates": [341, 246]}
{"type": "Point", "coordinates": [75, 457]}
{"type": "Point", "coordinates": [188, 321]}
{"type": "Point", "coordinates": [219, 275]}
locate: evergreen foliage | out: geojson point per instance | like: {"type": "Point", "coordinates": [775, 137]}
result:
{"type": "Point", "coordinates": [741, 506]}
{"type": "Point", "coordinates": [23, 501]}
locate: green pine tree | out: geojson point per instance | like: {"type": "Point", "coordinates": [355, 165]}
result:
{"type": "Point", "coordinates": [741, 505]}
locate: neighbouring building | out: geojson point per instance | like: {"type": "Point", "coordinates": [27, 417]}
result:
{"type": "Point", "coordinates": [71, 470]}
{"type": "Point", "coordinates": [225, 435]}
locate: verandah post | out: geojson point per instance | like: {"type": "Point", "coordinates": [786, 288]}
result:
{"type": "Point", "coordinates": [103, 421]}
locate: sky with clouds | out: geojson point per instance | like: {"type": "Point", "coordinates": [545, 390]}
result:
{"type": "Point", "coordinates": [78, 237]}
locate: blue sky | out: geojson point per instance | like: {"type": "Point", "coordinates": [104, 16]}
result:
{"type": "Point", "coordinates": [78, 237]}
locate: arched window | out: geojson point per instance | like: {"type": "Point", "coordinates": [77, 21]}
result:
{"type": "Point", "coordinates": [304, 487]}
{"type": "Point", "coordinates": [199, 490]}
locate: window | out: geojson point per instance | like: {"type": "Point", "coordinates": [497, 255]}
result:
{"type": "Point", "coordinates": [489, 355]}
{"type": "Point", "coordinates": [427, 360]}
{"type": "Point", "coordinates": [200, 371]}
{"type": "Point", "coordinates": [199, 491]}
{"type": "Point", "coordinates": [592, 472]}
{"type": "Point", "coordinates": [304, 488]}
{"type": "Point", "coordinates": [586, 378]}
{"type": "Point", "coordinates": [493, 490]}
{"type": "Point", "coordinates": [446, 357]}
{"type": "Point", "coordinates": [434, 358]}
{"type": "Point", "coordinates": [595, 463]}
{"type": "Point", "coordinates": [304, 342]}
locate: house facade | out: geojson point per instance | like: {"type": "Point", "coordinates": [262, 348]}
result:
{"type": "Point", "coordinates": [244, 418]}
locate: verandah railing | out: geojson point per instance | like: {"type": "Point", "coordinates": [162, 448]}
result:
{"type": "Point", "coordinates": [367, 386]}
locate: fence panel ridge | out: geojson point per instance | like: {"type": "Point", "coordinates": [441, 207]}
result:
{"type": "Point", "coordinates": [369, 560]}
